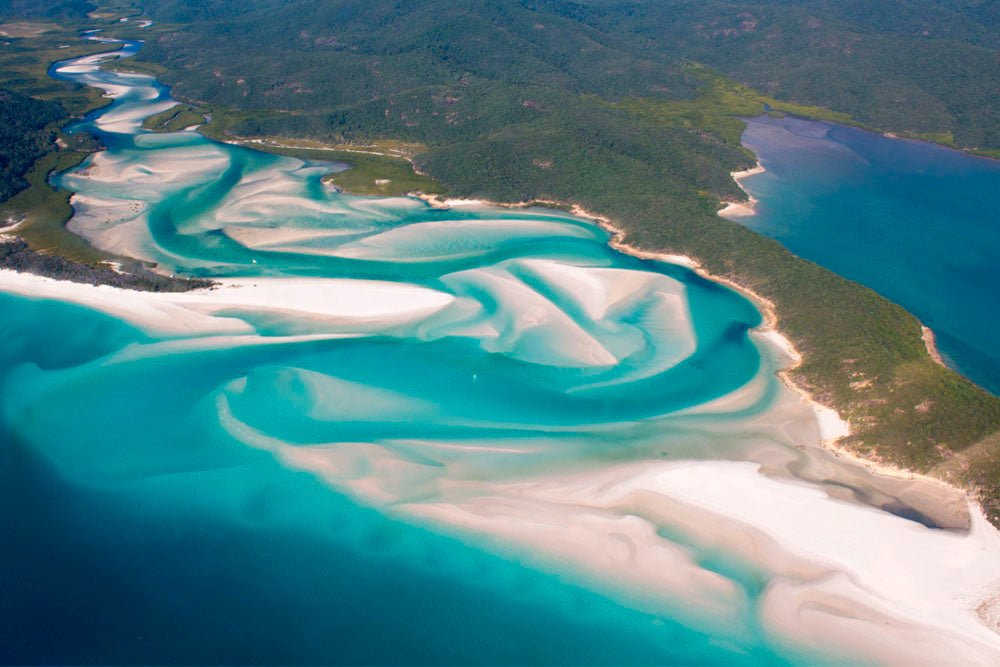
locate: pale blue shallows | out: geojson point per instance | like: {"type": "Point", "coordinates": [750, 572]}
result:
{"type": "Point", "coordinates": [142, 522]}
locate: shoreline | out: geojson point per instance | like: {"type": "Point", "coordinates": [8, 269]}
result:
{"type": "Point", "coordinates": [836, 427]}
{"type": "Point", "coordinates": [739, 209]}
{"type": "Point", "coordinates": [852, 586]}
{"type": "Point", "coordinates": [829, 419]}
{"type": "Point", "coordinates": [826, 417]}
{"type": "Point", "coordinates": [539, 516]}
{"type": "Point", "coordinates": [533, 511]}
{"type": "Point", "coordinates": [930, 342]}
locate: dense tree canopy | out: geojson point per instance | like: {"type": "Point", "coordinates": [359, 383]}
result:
{"type": "Point", "coordinates": [902, 65]}
{"type": "Point", "coordinates": [24, 137]}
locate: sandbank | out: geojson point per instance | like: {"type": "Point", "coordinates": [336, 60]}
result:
{"type": "Point", "coordinates": [845, 577]}
{"type": "Point", "coordinates": [739, 175]}
{"type": "Point", "coordinates": [833, 426]}
{"type": "Point", "coordinates": [365, 303]}
{"type": "Point", "coordinates": [277, 237]}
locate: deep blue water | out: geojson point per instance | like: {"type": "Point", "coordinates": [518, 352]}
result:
{"type": "Point", "coordinates": [148, 507]}
{"type": "Point", "coordinates": [184, 482]}
{"type": "Point", "coordinates": [914, 221]}
{"type": "Point", "coordinates": [160, 540]}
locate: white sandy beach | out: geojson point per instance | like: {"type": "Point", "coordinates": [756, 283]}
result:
{"type": "Point", "coordinates": [205, 311]}
{"type": "Point", "coordinates": [750, 479]}
{"type": "Point", "coordinates": [845, 577]}
{"type": "Point", "coordinates": [741, 209]}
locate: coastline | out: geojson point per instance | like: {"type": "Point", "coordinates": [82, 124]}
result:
{"type": "Point", "coordinates": [790, 603]}
{"type": "Point", "coordinates": [535, 510]}
{"type": "Point", "coordinates": [735, 209]}
{"type": "Point", "coordinates": [536, 518]}
{"type": "Point", "coordinates": [739, 209]}
{"type": "Point", "coordinates": [930, 342]}
{"type": "Point", "coordinates": [833, 426]}
{"type": "Point", "coordinates": [854, 614]}
{"type": "Point", "coordinates": [852, 592]}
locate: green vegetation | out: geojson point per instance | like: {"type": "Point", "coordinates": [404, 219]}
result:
{"type": "Point", "coordinates": [24, 64]}
{"type": "Point", "coordinates": [990, 153]}
{"type": "Point", "coordinates": [557, 206]}
{"type": "Point", "coordinates": [15, 254]}
{"type": "Point", "coordinates": [221, 119]}
{"type": "Point", "coordinates": [943, 138]}
{"type": "Point", "coordinates": [906, 66]}
{"type": "Point", "coordinates": [59, 9]}
{"type": "Point", "coordinates": [45, 247]}
{"type": "Point", "coordinates": [380, 169]}
{"type": "Point", "coordinates": [378, 175]}
{"type": "Point", "coordinates": [719, 105]}
{"type": "Point", "coordinates": [24, 137]}
{"type": "Point", "coordinates": [604, 104]}
{"type": "Point", "coordinates": [174, 119]}
{"type": "Point", "coordinates": [372, 170]}
{"type": "Point", "coordinates": [33, 106]}
{"type": "Point", "coordinates": [130, 65]}
{"type": "Point", "coordinates": [383, 167]}
{"type": "Point", "coordinates": [30, 133]}
{"type": "Point", "coordinates": [42, 212]}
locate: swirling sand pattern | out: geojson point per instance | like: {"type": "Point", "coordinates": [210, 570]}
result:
{"type": "Point", "coordinates": [400, 434]}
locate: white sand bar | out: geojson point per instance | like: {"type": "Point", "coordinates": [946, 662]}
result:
{"type": "Point", "coordinates": [200, 311]}
{"type": "Point", "coordinates": [843, 576]}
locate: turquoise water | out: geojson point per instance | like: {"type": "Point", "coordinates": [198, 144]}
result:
{"type": "Point", "coordinates": [914, 221]}
{"type": "Point", "coordinates": [254, 488]}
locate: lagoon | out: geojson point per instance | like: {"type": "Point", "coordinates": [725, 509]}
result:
{"type": "Point", "coordinates": [400, 434]}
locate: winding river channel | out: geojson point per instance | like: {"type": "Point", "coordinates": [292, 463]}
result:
{"type": "Point", "coordinates": [400, 434]}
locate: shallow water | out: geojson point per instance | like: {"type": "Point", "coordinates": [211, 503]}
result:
{"type": "Point", "coordinates": [432, 465]}
{"type": "Point", "coordinates": [914, 221]}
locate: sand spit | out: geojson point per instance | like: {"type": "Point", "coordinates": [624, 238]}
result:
{"type": "Point", "coordinates": [930, 343]}
{"type": "Point", "coordinates": [740, 209]}
{"type": "Point", "coordinates": [740, 175]}
{"type": "Point", "coordinates": [278, 237]}
{"type": "Point", "coordinates": [207, 311]}
{"type": "Point", "coordinates": [844, 577]}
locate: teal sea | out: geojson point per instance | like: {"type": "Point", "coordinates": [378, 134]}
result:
{"type": "Point", "coordinates": [914, 221]}
{"type": "Point", "coordinates": [316, 482]}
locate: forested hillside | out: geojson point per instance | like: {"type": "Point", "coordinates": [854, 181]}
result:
{"type": "Point", "coordinates": [40, 9]}
{"type": "Point", "coordinates": [918, 67]}
{"type": "Point", "coordinates": [909, 66]}
{"type": "Point", "coordinates": [24, 137]}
